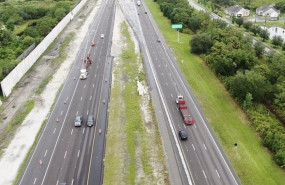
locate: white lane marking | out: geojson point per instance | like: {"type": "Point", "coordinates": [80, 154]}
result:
{"type": "Point", "coordinates": [171, 95]}
{"type": "Point", "coordinates": [87, 112]}
{"type": "Point", "coordinates": [166, 84]}
{"type": "Point", "coordinates": [158, 65]}
{"type": "Point", "coordinates": [81, 98]}
{"type": "Point", "coordinates": [35, 181]}
{"type": "Point", "coordinates": [76, 113]}
{"type": "Point", "coordinates": [45, 153]}
{"type": "Point", "coordinates": [78, 153]}
{"type": "Point", "coordinates": [204, 146]}
{"type": "Point", "coordinates": [61, 112]}
{"type": "Point", "coordinates": [186, 148]}
{"type": "Point", "coordinates": [67, 98]}
{"type": "Point", "coordinates": [90, 97]}
{"type": "Point", "coordinates": [170, 74]}
{"type": "Point", "coordinates": [166, 65]}
{"type": "Point", "coordinates": [54, 130]}
{"type": "Point", "coordinates": [84, 86]}
{"type": "Point", "coordinates": [177, 108]}
{"type": "Point", "coordinates": [65, 154]}
{"type": "Point", "coordinates": [162, 74]}
{"type": "Point", "coordinates": [204, 174]}
{"type": "Point", "coordinates": [93, 85]}
{"type": "Point", "coordinates": [184, 126]}
{"type": "Point", "coordinates": [71, 132]}
{"type": "Point", "coordinates": [95, 75]}
{"type": "Point", "coordinates": [195, 125]}
{"type": "Point", "coordinates": [193, 146]}
{"type": "Point", "coordinates": [97, 67]}
{"type": "Point", "coordinates": [218, 173]}
{"type": "Point", "coordinates": [57, 182]}
{"type": "Point", "coordinates": [83, 131]}
{"type": "Point", "coordinates": [72, 182]}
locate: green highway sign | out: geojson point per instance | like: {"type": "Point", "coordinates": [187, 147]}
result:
{"type": "Point", "coordinates": [175, 26]}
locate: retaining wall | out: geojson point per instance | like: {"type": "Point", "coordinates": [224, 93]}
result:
{"type": "Point", "coordinates": [8, 83]}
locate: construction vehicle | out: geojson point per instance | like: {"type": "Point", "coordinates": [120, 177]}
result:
{"type": "Point", "coordinates": [182, 107]}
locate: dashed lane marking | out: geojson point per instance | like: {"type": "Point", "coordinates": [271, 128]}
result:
{"type": "Point", "coordinates": [218, 173]}
{"type": "Point", "coordinates": [193, 146]}
{"type": "Point", "coordinates": [71, 132]}
{"type": "Point", "coordinates": [54, 130]}
{"type": "Point", "coordinates": [65, 154]}
{"type": "Point", "coordinates": [35, 181]}
{"type": "Point", "coordinates": [45, 153]}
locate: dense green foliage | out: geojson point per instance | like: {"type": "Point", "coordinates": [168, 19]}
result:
{"type": "Point", "coordinates": [280, 6]}
{"type": "Point", "coordinates": [11, 45]}
{"type": "Point", "coordinates": [235, 61]}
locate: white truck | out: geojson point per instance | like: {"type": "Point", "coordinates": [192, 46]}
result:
{"type": "Point", "coordinates": [138, 3]}
{"type": "Point", "coordinates": [83, 74]}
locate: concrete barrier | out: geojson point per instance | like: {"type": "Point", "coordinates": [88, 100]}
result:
{"type": "Point", "coordinates": [8, 83]}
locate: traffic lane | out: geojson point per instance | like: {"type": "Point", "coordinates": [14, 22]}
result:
{"type": "Point", "coordinates": [42, 151]}
{"type": "Point", "coordinates": [156, 52]}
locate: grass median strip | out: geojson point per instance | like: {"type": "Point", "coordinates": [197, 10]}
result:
{"type": "Point", "coordinates": [251, 161]}
{"type": "Point", "coordinates": [134, 153]}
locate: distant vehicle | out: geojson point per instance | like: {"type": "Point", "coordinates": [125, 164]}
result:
{"type": "Point", "coordinates": [93, 44]}
{"type": "Point", "coordinates": [78, 121]}
{"type": "Point", "coordinates": [83, 74]}
{"type": "Point", "coordinates": [138, 3]}
{"type": "Point", "coordinates": [102, 36]}
{"type": "Point", "coordinates": [90, 120]}
{"type": "Point", "coordinates": [158, 40]}
{"type": "Point", "coordinates": [145, 12]}
{"type": "Point", "coordinates": [181, 104]}
{"type": "Point", "coordinates": [182, 134]}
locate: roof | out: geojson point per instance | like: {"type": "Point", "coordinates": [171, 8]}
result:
{"type": "Point", "coordinates": [234, 8]}
{"type": "Point", "coordinates": [267, 7]}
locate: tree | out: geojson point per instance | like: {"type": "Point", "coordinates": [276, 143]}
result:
{"type": "Point", "coordinates": [234, 18]}
{"type": "Point", "coordinates": [255, 29]}
{"type": "Point", "coordinates": [27, 41]}
{"type": "Point", "coordinates": [259, 49]}
{"type": "Point", "coordinates": [239, 21]}
{"type": "Point", "coordinates": [194, 23]}
{"type": "Point", "coordinates": [10, 25]}
{"type": "Point", "coordinates": [277, 40]}
{"type": "Point", "coordinates": [45, 24]}
{"type": "Point", "coordinates": [247, 25]}
{"type": "Point", "coordinates": [283, 46]}
{"type": "Point", "coordinates": [280, 6]}
{"type": "Point", "coordinates": [59, 13]}
{"type": "Point", "coordinates": [264, 34]}
{"type": "Point", "coordinates": [247, 103]}
{"type": "Point", "coordinates": [201, 43]}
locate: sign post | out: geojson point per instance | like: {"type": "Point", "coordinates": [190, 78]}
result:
{"type": "Point", "coordinates": [177, 26]}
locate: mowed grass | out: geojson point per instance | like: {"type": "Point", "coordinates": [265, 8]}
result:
{"type": "Point", "coordinates": [133, 155]}
{"type": "Point", "coordinates": [250, 160]}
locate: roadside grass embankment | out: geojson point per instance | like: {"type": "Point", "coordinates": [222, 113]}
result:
{"type": "Point", "coordinates": [11, 129]}
{"type": "Point", "coordinates": [134, 152]}
{"type": "Point", "coordinates": [250, 160]}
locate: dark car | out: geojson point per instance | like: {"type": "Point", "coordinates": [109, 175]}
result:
{"type": "Point", "coordinates": [183, 134]}
{"type": "Point", "coordinates": [145, 12]}
{"type": "Point", "coordinates": [90, 120]}
{"type": "Point", "coordinates": [78, 121]}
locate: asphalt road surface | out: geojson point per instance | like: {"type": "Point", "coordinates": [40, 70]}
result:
{"type": "Point", "coordinates": [200, 158]}
{"type": "Point", "coordinates": [69, 154]}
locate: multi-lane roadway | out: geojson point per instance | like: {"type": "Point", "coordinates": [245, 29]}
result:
{"type": "Point", "coordinates": [200, 158]}
{"type": "Point", "coordinates": [69, 154]}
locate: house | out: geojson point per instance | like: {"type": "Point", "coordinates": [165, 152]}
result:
{"type": "Point", "coordinates": [268, 11]}
{"type": "Point", "coordinates": [237, 10]}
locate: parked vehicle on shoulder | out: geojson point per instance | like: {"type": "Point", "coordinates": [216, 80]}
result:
{"type": "Point", "coordinates": [78, 121]}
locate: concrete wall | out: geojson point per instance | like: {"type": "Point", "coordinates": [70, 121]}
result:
{"type": "Point", "coordinates": [18, 72]}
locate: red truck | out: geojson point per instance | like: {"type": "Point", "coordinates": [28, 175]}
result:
{"type": "Point", "coordinates": [181, 104]}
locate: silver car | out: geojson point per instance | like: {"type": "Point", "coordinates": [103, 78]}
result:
{"type": "Point", "coordinates": [78, 121]}
{"type": "Point", "coordinates": [90, 120]}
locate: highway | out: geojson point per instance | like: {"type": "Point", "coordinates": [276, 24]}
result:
{"type": "Point", "coordinates": [200, 159]}
{"type": "Point", "coordinates": [69, 154]}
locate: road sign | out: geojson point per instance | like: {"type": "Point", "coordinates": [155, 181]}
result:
{"type": "Point", "coordinates": [175, 26]}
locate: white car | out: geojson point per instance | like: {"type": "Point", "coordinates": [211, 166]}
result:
{"type": "Point", "coordinates": [102, 36]}
{"type": "Point", "coordinates": [83, 74]}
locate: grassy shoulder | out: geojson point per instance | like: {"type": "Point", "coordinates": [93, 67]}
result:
{"type": "Point", "coordinates": [134, 152]}
{"type": "Point", "coordinates": [251, 161]}
{"type": "Point", "coordinates": [11, 129]}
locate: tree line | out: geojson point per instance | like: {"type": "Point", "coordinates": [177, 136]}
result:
{"type": "Point", "coordinates": [42, 19]}
{"type": "Point", "coordinates": [253, 79]}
